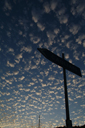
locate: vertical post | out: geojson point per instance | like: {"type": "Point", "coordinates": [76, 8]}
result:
{"type": "Point", "coordinates": [68, 121]}
{"type": "Point", "coordinates": [39, 121]}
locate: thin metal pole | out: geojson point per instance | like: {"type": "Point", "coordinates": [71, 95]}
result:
{"type": "Point", "coordinates": [68, 121]}
{"type": "Point", "coordinates": [39, 121]}
{"type": "Point", "coordinates": [66, 94]}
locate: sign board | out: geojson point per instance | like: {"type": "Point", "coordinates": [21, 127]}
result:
{"type": "Point", "coordinates": [60, 61]}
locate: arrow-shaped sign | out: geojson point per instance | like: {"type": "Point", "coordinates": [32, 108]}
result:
{"type": "Point", "coordinates": [60, 61]}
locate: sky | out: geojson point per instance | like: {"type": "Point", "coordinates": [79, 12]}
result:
{"type": "Point", "coordinates": [30, 84]}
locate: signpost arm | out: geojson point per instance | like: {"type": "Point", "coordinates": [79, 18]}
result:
{"type": "Point", "coordinates": [68, 121]}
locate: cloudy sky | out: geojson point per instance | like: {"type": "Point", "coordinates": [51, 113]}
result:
{"type": "Point", "coordinates": [31, 85]}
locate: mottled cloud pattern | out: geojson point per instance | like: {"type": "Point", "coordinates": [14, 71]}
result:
{"type": "Point", "coordinates": [31, 85]}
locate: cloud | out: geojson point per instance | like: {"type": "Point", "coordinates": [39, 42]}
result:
{"type": "Point", "coordinates": [70, 99]}
{"type": "Point", "coordinates": [66, 56]}
{"type": "Point", "coordinates": [10, 64]}
{"type": "Point", "coordinates": [43, 62]}
{"type": "Point", "coordinates": [26, 49]}
{"type": "Point", "coordinates": [81, 8]}
{"type": "Point", "coordinates": [16, 92]}
{"type": "Point", "coordinates": [76, 55]}
{"type": "Point", "coordinates": [18, 57]}
{"type": "Point", "coordinates": [16, 72]}
{"type": "Point", "coordinates": [56, 31]}
{"type": "Point", "coordinates": [0, 49]}
{"type": "Point", "coordinates": [10, 99]}
{"type": "Point", "coordinates": [37, 62]}
{"type": "Point", "coordinates": [9, 74]}
{"type": "Point", "coordinates": [7, 6]}
{"type": "Point", "coordinates": [78, 8]}
{"type": "Point", "coordinates": [11, 50]}
{"type": "Point", "coordinates": [34, 39]}
{"type": "Point", "coordinates": [80, 38]}
{"type": "Point", "coordinates": [51, 78]}
{"type": "Point", "coordinates": [38, 93]}
{"type": "Point", "coordinates": [36, 14]}
{"type": "Point", "coordinates": [83, 72]}
{"type": "Point", "coordinates": [62, 16]}
{"type": "Point", "coordinates": [63, 19]}
{"type": "Point", "coordinates": [46, 6]}
{"type": "Point", "coordinates": [27, 67]}
{"type": "Point", "coordinates": [41, 26]}
{"type": "Point", "coordinates": [2, 77]}
{"type": "Point", "coordinates": [83, 106]}
{"type": "Point", "coordinates": [68, 44]}
{"type": "Point", "coordinates": [43, 85]}
{"type": "Point", "coordinates": [21, 78]}
{"type": "Point", "coordinates": [35, 17]}
{"type": "Point", "coordinates": [9, 34]}
{"type": "Point", "coordinates": [46, 72]}
{"type": "Point", "coordinates": [51, 37]}
{"type": "Point", "coordinates": [84, 43]}
{"type": "Point", "coordinates": [74, 29]}
{"type": "Point", "coordinates": [20, 85]}
{"type": "Point", "coordinates": [78, 96]}
{"type": "Point", "coordinates": [65, 38]}
{"type": "Point", "coordinates": [53, 4]}
{"type": "Point", "coordinates": [50, 92]}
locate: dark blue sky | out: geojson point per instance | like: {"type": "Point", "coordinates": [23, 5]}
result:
{"type": "Point", "coordinates": [31, 85]}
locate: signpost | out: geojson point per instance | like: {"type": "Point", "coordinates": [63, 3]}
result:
{"type": "Point", "coordinates": [66, 65]}
{"type": "Point", "coordinates": [60, 61]}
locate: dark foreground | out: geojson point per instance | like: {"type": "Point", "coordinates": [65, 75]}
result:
{"type": "Point", "coordinates": [73, 127]}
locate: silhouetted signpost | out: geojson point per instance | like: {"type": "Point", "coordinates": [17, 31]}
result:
{"type": "Point", "coordinates": [66, 65]}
